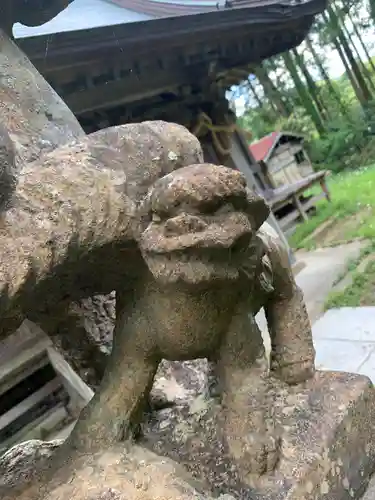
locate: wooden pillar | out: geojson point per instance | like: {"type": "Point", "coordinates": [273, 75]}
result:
{"type": "Point", "coordinates": [245, 161]}
{"type": "Point", "coordinates": [323, 185]}
{"type": "Point", "coordinates": [237, 154]}
{"type": "Point", "coordinates": [297, 203]}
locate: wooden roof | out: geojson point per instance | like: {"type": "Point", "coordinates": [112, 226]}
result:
{"type": "Point", "coordinates": [262, 149]}
{"type": "Point", "coordinates": [171, 8]}
{"type": "Point", "coordinates": [106, 66]}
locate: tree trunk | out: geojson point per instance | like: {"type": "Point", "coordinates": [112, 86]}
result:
{"type": "Point", "coordinates": [365, 70]}
{"type": "Point", "coordinates": [304, 95]}
{"type": "Point", "coordinates": [348, 35]}
{"type": "Point", "coordinates": [310, 83]}
{"type": "Point", "coordinates": [363, 45]}
{"type": "Point", "coordinates": [357, 90]}
{"type": "Point", "coordinates": [255, 93]}
{"type": "Point", "coordinates": [372, 9]}
{"type": "Point", "coordinates": [270, 90]}
{"type": "Point", "coordinates": [288, 102]}
{"type": "Point", "coordinates": [331, 90]}
{"type": "Point", "coordinates": [334, 21]}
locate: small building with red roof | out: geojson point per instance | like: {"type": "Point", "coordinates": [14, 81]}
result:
{"type": "Point", "coordinates": [283, 157]}
{"type": "Point", "coordinates": [286, 174]}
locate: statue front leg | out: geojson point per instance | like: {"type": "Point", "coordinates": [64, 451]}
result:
{"type": "Point", "coordinates": [292, 352]}
{"type": "Point", "coordinates": [115, 411]}
{"type": "Point", "coordinates": [292, 349]}
{"type": "Point", "coordinates": [248, 423]}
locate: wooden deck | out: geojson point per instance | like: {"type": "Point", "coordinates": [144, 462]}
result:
{"type": "Point", "coordinates": [292, 195]}
{"type": "Point", "coordinates": [35, 399]}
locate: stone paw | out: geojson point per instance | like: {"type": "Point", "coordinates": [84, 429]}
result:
{"type": "Point", "coordinates": [294, 373]}
{"type": "Point", "coordinates": [260, 455]}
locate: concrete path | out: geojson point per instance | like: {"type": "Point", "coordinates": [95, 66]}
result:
{"type": "Point", "coordinates": [322, 268]}
{"type": "Point", "coordinates": [345, 340]}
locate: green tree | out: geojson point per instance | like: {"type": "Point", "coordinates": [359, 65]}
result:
{"type": "Point", "coordinates": [327, 83]}
{"type": "Point", "coordinates": [270, 90]}
{"type": "Point", "coordinates": [303, 93]}
{"type": "Point", "coordinates": [341, 40]}
{"type": "Point", "coordinates": [311, 85]}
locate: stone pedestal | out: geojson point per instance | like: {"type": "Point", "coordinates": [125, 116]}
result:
{"type": "Point", "coordinates": [328, 453]}
{"type": "Point", "coordinates": [328, 441]}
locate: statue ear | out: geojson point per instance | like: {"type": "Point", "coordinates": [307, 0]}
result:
{"type": "Point", "coordinates": [258, 209]}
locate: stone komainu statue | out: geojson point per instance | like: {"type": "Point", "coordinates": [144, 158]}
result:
{"type": "Point", "coordinates": [133, 209]}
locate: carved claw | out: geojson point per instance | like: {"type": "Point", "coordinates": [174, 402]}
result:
{"type": "Point", "coordinates": [262, 453]}
{"type": "Point", "coordinates": [259, 455]}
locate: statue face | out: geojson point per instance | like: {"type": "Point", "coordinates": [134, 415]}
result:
{"type": "Point", "coordinates": [201, 225]}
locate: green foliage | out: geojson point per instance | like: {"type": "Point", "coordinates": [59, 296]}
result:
{"type": "Point", "coordinates": [336, 150]}
{"type": "Point", "coordinates": [260, 122]}
{"type": "Point", "coordinates": [361, 292]}
{"type": "Point", "coordinates": [352, 195]}
{"type": "Point", "coordinates": [337, 117]}
{"type": "Point", "coordinates": [350, 142]}
{"type": "Point", "coordinates": [298, 122]}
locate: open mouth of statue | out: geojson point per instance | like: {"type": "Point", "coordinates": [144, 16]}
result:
{"type": "Point", "coordinates": [202, 222]}
{"type": "Point", "coordinates": [222, 235]}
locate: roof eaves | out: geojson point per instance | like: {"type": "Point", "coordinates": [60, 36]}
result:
{"type": "Point", "coordinates": [162, 9]}
{"type": "Point", "coordinates": [293, 134]}
{"type": "Point", "coordinates": [271, 149]}
{"type": "Point", "coordinates": [277, 138]}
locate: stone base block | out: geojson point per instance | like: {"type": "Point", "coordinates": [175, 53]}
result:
{"type": "Point", "coordinates": [328, 453]}
{"type": "Point", "coordinates": [120, 472]}
{"type": "Point", "coordinates": [328, 441]}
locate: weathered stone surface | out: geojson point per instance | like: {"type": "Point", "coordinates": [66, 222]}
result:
{"type": "Point", "coordinates": [78, 200]}
{"type": "Point", "coordinates": [23, 462]}
{"type": "Point", "coordinates": [94, 224]}
{"type": "Point", "coordinates": [175, 381]}
{"type": "Point", "coordinates": [167, 237]}
{"type": "Point", "coordinates": [370, 492]}
{"type": "Point", "coordinates": [328, 441]}
{"type": "Point", "coordinates": [35, 120]}
{"type": "Point", "coordinates": [33, 114]}
{"type": "Point", "coordinates": [181, 381]}
{"type": "Point", "coordinates": [84, 335]}
{"type": "Point", "coordinates": [133, 209]}
{"type": "Point", "coordinates": [8, 170]}
{"type": "Point", "coordinates": [328, 448]}
{"type": "Point", "coordinates": [119, 473]}
{"type": "Point", "coordinates": [38, 121]}
{"type": "Point", "coordinates": [168, 233]}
